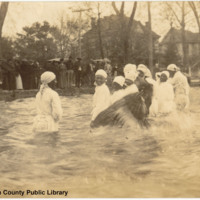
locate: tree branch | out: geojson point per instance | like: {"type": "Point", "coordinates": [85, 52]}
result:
{"type": "Point", "coordinates": [122, 9]}
{"type": "Point", "coordinates": [115, 8]}
{"type": "Point", "coordinates": [193, 7]}
{"type": "Point", "coordinates": [170, 7]}
{"type": "Point", "coordinates": [132, 15]}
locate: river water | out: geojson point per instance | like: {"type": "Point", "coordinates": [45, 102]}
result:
{"type": "Point", "coordinates": [163, 161]}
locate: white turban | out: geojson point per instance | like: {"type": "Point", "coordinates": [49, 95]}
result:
{"type": "Point", "coordinates": [46, 78]}
{"type": "Point", "coordinates": [130, 72]}
{"type": "Point", "coordinates": [145, 70]}
{"type": "Point", "coordinates": [172, 67]}
{"type": "Point", "coordinates": [101, 72]}
{"type": "Point", "coordinates": [120, 80]}
{"type": "Point", "coordinates": [166, 73]}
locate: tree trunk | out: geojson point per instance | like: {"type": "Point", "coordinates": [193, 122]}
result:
{"type": "Point", "coordinates": [194, 9]}
{"type": "Point", "coordinates": [184, 44]}
{"type": "Point", "coordinates": [3, 12]}
{"type": "Point", "coordinates": [125, 29]}
{"type": "Point", "coordinates": [99, 34]}
{"type": "Point", "coordinates": [150, 45]}
{"type": "Point", "coordinates": [127, 33]}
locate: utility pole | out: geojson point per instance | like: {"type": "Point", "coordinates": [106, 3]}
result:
{"type": "Point", "coordinates": [79, 29]}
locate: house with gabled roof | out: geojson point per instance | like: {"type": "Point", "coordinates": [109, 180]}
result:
{"type": "Point", "coordinates": [192, 44]}
{"type": "Point", "coordinates": [110, 33]}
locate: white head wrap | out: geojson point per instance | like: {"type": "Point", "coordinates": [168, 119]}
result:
{"type": "Point", "coordinates": [120, 80]}
{"type": "Point", "coordinates": [145, 70]}
{"type": "Point", "coordinates": [166, 73]}
{"type": "Point", "coordinates": [130, 72]}
{"type": "Point", "coordinates": [172, 67]}
{"type": "Point", "coordinates": [101, 72]}
{"type": "Point", "coordinates": [46, 78]}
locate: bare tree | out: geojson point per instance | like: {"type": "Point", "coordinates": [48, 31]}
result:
{"type": "Point", "coordinates": [95, 12]}
{"type": "Point", "coordinates": [150, 45]}
{"type": "Point", "coordinates": [3, 12]}
{"type": "Point", "coordinates": [181, 21]}
{"type": "Point", "coordinates": [125, 28]}
{"type": "Point", "coordinates": [193, 6]}
{"type": "Point", "coordinates": [99, 31]}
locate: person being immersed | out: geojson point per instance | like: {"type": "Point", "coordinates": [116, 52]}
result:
{"type": "Point", "coordinates": [180, 85]}
{"type": "Point", "coordinates": [117, 87]}
{"type": "Point", "coordinates": [146, 84]}
{"type": "Point", "coordinates": [49, 110]}
{"type": "Point", "coordinates": [130, 73]}
{"type": "Point", "coordinates": [129, 109]}
{"type": "Point", "coordinates": [101, 98]}
{"type": "Point", "coordinates": [164, 95]}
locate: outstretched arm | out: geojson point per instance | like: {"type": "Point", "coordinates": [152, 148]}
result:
{"type": "Point", "coordinates": [56, 107]}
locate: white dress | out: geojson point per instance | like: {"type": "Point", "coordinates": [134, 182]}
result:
{"type": "Point", "coordinates": [165, 98]}
{"type": "Point", "coordinates": [101, 100]}
{"type": "Point", "coordinates": [181, 90]}
{"type": "Point", "coordinates": [19, 85]}
{"type": "Point", "coordinates": [49, 111]}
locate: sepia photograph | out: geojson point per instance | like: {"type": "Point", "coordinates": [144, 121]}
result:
{"type": "Point", "coordinates": [100, 99]}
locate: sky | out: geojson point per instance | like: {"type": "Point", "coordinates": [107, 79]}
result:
{"type": "Point", "coordinates": [22, 14]}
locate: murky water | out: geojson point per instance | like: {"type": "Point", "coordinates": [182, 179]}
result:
{"type": "Point", "coordinates": [109, 162]}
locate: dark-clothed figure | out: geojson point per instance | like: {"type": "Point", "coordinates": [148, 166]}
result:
{"type": "Point", "coordinates": [26, 75]}
{"type": "Point", "coordinates": [91, 72]}
{"type": "Point", "coordinates": [56, 71]}
{"type": "Point", "coordinates": [70, 71]}
{"type": "Point", "coordinates": [19, 85]}
{"type": "Point", "coordinates": [156, 70]}
{"type": "Point", "coordinates": [4, 71]}
{"type": "Point", "coordinates": [145, 88]}
{"type": "Point", "coordinates": [63, 71]}
{"type": "Point", "coordinates": [78, 72]}
{"type": "Point", "coordinates": [11, 75]}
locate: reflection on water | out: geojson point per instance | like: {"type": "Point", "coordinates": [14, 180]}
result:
{"type": "Point", "coordinates": [161, 162]}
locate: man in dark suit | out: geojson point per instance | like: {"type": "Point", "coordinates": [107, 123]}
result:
{"type": "Point", "coordinates": [78, 72]}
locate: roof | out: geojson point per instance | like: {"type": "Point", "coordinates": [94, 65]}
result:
{"type": "Point", "coordinates": [176, 34]}
{"type": "Point", "coordinates": [112, 20]}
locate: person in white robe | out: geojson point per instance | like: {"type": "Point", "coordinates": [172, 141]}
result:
{"type": "Point", "coordinates": [164, 96]}
{"type": "Point", "coordinates": [48, 104]}
{"type": "Point", "coordinates": [130, 73]}
{"type": "Point", "coordinates": [101, 98]}
{"type": "Point", "coordinates": [19, 85]}
{"type": "Point", "coordinates": [181, 87]}
{"type": "Point", "coordinates": [118, 91]}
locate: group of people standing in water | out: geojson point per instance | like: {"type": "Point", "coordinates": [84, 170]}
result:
{"type": "Point", "coordinates": [168, 93]}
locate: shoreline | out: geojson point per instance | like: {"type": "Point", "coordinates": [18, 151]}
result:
{"type": "Point", "coordinates": [11, 95]}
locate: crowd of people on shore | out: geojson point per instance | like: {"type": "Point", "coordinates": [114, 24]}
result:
{"type": "Point", "coordinates": [162, 96]}
{"type": "Point", "coordinates": [20, 74]}
{"type": "Point", "coordinates": [79, 74]}
{"type": "Point", "coordinates": [25, 74]}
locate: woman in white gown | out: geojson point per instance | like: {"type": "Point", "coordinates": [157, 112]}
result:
{"type": "Point", "coordinates": [18, 79]}
{"type": "Point", "coordinates": [164, 95]}
{"type": "Point", "coordinates": [49, 110]}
